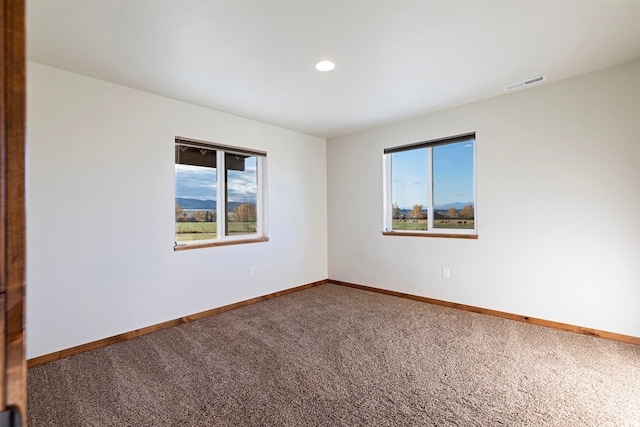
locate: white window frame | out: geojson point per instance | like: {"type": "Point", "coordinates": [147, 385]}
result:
{"type": "Point", "coordinates": [387, 196]}
{"type": "Point", "coordinates": [221, 203]}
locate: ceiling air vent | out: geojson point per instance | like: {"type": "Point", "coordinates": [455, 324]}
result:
{"type": "Point", "coordinates": [523, 83]}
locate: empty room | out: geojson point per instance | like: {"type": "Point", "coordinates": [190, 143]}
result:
{"type": "Point", "coordinates": [426, 213]}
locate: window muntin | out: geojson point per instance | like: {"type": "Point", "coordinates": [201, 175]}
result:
{"type": "Point", "coordinates": [430, 187]}
{"type": "Point", "coordinates": [217, 182]}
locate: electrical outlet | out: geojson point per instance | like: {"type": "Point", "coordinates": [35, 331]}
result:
{"type": "Point", "coordinates": [445, 273]}
{"type": "Point", "coordinates": [252, 271]}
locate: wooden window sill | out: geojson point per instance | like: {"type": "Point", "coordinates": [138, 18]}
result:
{"type": "Point", "coordinates": [447, 236]}
{"type": "Point", "coordinates": [221, 243]}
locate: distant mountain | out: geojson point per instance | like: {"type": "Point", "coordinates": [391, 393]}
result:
{"type": "Point", "coordinates": [457, 205]}
{"type": "Point", "coordinates": [202, 205]}
{"type": "Point", "coordinates": [205, 205]}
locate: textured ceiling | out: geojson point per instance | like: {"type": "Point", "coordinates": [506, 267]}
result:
{"type": "Point", "coordinates": [394, 59]}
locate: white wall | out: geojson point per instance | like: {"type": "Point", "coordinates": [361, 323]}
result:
{"type": "Point", "coordinates": [100, 218]}
{"type": "Point", "coordinates": [558, 208]}
{"type": "Point", "coordinates": [558, 202]}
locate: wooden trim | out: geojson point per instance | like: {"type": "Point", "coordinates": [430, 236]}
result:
{"type": "Point", "coordinates": [12, 210]}
{"type": "Point", "coordinates": [628, 339]}
{"type": "Point", "coordinates": [190, 318]}
{"type": "Point", "coordinates": [153, 328]}
{"type": "Point", "coordinates": [448, 236]}
{"type": "Point", "coordinates": [222, 243]}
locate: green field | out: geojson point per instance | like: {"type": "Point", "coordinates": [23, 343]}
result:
{"type": "Point", "coordinates": [208, 230]}
{"type": "Point", "coordinates": [464, 224]}
{"type": "Point", "coordinates": [410, 224]}
{"type": "Point", "coordinates": [421, 224]}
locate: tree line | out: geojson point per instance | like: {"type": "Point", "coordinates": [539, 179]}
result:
{"type": "Point", "coordinates": [417, 212]}
{"type": "Point", "coordinates": [243, 213]}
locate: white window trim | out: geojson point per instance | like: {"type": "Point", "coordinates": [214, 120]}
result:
{"type": "Point", "coordinates": [221, 203]}
{"type": "Point", "coordinates": [387, 225]}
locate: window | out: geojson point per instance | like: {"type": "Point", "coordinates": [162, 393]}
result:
{"type": "Point", "coordinates": [430, 188]}
{"type": "Point", "coordinates": [219, 194]}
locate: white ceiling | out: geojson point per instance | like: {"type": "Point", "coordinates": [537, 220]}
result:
{"type": "Point", "coordinates": [394, 59]}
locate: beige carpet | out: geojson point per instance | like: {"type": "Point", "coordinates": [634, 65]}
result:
{"type": "Point", "coordinates": [336, 356]}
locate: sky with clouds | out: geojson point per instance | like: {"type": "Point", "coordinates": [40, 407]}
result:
{"type": "Point", "coordinates": [453, 175]}
{"type": "Point", "coordinates": [197, 182]}
{"type": "Point", "coordinates": [452, 172]}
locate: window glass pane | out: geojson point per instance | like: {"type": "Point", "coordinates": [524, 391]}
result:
{"type": "Point", "coordinates": [409, 189]}
{"type": "Point", "coordinates": [453, 188]}
{"type": "Point", "coordinates": [242, 194]}
{"type": "Point", "coordinates": [196, 194]}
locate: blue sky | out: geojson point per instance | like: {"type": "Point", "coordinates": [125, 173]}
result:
{"type": "Point", "coordinates": [197, 182]}
{"type": "Point", "coordinates": [452, 170]}
{"type": "Point", "coordinates": [452, 175]}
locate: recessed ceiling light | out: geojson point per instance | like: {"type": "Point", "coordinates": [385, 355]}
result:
{"type": "Point", "coordinates": [325, 66]}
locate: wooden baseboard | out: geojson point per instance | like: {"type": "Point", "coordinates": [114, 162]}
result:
{"type": "Point", "coordinates": [153, 328]}
{"type": "Point", "coordinates": [519, 318]}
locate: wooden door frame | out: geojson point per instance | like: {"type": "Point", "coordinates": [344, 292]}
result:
{"type": "Point", "coordinates": [12, 212]}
